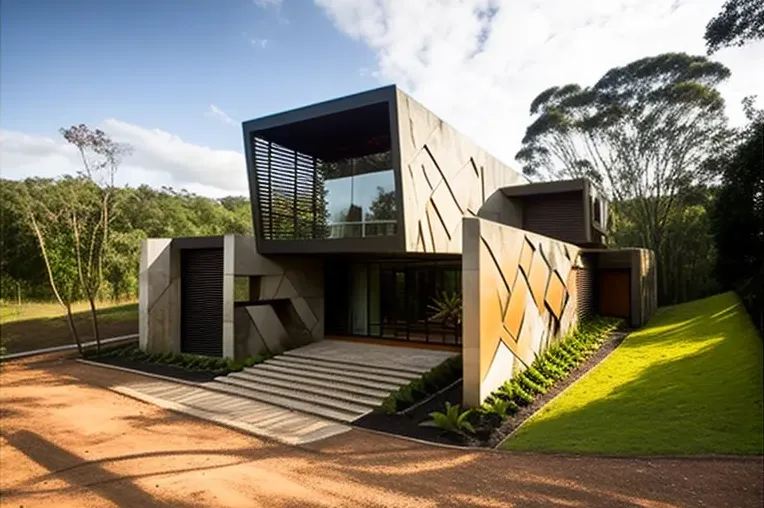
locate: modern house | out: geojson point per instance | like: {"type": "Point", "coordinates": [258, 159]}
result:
{"type": "Point", "coordinates": [366, 209]}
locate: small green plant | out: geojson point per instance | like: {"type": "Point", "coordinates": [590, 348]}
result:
{"type": "Point", "coordinates": [499, 407]}
{"type": "Point", "coordinates": [452, 420]}
{"type": "Point", "coordinates": [520, 395]}
{"type": "Point", "coordinates": [390, 404]}
{"type": "Point", "coordinates": [431, 382]}
{"type": "Point", "coordinates": [529, 385]}
{"type": "Point", "coordinates": [447, 309]}
{"type": "Point", "coordinates": [537, 377]}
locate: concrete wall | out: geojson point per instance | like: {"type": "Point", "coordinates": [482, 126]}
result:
{"type": "Point", "coordinates": [159, 296]}
{"type": "Point", "coordinates": [289, 307]}
{"type": "Point", "coordinates": [519, 293]}
{"type": "Point", "coordinates": [644, 281]}
{"type": "Point", "coordinates": [444, 176]}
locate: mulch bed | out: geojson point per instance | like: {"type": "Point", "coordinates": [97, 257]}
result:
{"type": "Point", "coordinates": [488, 432]}
{"type": "Point", "coordinates": [196, 376]}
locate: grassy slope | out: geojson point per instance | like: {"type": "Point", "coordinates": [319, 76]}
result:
{"type": "Point", "coordinates": [40, 325]}
{"type": "Point", "coordinates": [690, 382]}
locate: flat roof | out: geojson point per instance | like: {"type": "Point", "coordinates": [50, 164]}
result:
{"type": "Point", "coordinates": [350, 126]}
{"type": "Point", "coordinates": [537, 188]}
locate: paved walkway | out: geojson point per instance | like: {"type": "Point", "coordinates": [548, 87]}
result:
{"type": "Point", "coordinates": [240, 413]}
{"type": "Point", "coordinates": [73, 443]}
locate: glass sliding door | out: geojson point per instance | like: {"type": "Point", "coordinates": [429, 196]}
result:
{"type": "Point", "coordinates": [360, 300]}
{"type": "Point", "coordinates": [391, 299]}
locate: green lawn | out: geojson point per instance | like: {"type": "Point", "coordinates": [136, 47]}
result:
{"type": "Point", "coordinates": [41, 325]}
{"type": "Point", "coordinates": [688, 383]}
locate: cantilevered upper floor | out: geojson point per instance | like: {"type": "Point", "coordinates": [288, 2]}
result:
{"type": "Point", "coordinates": [374, 172]}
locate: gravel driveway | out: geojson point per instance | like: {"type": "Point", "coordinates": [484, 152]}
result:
{"type": "Point", "coordinates": [67, 441]}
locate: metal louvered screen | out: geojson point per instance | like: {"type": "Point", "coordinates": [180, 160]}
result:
{"type": "Point", "coordinates": [201, 311]}
{"type": "Point", "coordinates": [290, 193]}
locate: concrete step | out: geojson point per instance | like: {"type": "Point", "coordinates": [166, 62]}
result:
{"type": "Point", "coordinates": [327, 400]}
{"type": "Point", "coordinates": [323, 376]}
{"type": "Point", "coordinates": [350, 367]}
{"type": "Point", "coordinates": [397, 380]}
{"type": "Point", "coordinates": [285, 402]}
{"type": "Point", "coordinates": [281, 379]}
{"type": "Point", "coordinates": [300, 387]}
{"type": "Point", "coordinates": [322, 357]}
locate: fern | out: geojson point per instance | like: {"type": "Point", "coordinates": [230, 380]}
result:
{"type": "Point", "coordinates": [452, 420]}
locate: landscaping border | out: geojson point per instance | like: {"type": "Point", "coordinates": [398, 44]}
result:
{"type": "Point", "coordinates": [511, 424]}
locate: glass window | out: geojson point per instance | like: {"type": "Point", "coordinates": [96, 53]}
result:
{"type": "Point", "coordinates": [362, 204]}
{"type": "Point", "coordinates": [241, 289]}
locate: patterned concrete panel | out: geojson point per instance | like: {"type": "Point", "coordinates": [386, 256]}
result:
{"type": "Point", "coordinates": [444, 176]}
{"type": "Point", "coordinates": [290, 297]}
{"type": "Point", "coordinates": [159, 297]}
{"type": "Point", "coordinates": [522, 298]}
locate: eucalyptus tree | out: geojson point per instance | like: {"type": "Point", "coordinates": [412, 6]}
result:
{"type": "Point", "coordinates": [738, 22]}
{"type": "Point", "coordinates": [643, 131]}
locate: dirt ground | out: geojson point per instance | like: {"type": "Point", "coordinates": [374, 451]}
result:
{"type": "Point", "coordinates": [66, 441]}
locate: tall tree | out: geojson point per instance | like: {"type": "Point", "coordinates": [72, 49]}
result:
{"type": "Point", "coordinates": [643, 131]}
{"type": "Point", "coordinates": [47, 213]}
{"type": "Point", "coordinates": [738, 218]}
{"type": "Point", "coordinates": [91, 208]}
{"type": "Point", "coordinates": [739, 22]}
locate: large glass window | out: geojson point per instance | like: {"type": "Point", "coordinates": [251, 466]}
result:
{"type": "Point", "coordinates": [360, 197]}
{"type": "Point", "coordinates": [326, 177]}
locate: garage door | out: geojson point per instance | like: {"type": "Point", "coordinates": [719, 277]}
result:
{"type": "Point", "coordinates": [614, 293]}
{"type": "Point", "coordinates": [201, 311]}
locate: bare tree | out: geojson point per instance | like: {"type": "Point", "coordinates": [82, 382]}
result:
{"type": "Point", "coordinates": [90, 218]}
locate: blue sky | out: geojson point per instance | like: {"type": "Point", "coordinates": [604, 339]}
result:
{"type": "Point", "coordinates": [176, 83]}
{"type": "Point", "coordinates": [151, 63]}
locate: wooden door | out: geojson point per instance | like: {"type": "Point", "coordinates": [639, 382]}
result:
{"type": "Point", "coordinates": [614, 293]}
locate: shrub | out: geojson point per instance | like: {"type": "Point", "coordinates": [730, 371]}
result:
{"type": "Point", "coordinates": [390, 404]}
{"type": "Point", "coordinates": [452, 420]}
{"type": "Point", "coordinates": [537, 377]}
{"type": "Point", "coordinates": [527, 384]}
{"type": "Point", "coordinates": [520, 395]}
{"type": "Point", "coordinates": [498, 407]}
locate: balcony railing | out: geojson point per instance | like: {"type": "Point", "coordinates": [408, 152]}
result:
{"type": "Point", "coordinates": [362, 229]}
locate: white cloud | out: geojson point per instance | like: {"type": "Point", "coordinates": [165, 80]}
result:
{"type": "Point", "coordinates": [259, 43]}
{"type": "Point", "coordinates": [480, 63]}
{"type": "Point", "coordinates": [159, 158]}
{"type": "Point", "coordinates": [216, 112]}
{"type": "Point", "coordinates": [267, 3]}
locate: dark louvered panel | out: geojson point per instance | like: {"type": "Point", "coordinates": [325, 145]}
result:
{"type": "Point", "coordinates": [559, 216]}
{"type": "Point", "coordinates": [585, 288]}
{"type": "Point", "coordinates": [290, 193]}
{"type": "Point", "coordinates": [201, 302]}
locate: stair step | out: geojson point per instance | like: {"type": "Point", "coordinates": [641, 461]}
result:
{"type": "Point", "coordinates": [330, 370]}
{"type": "Point", "coordinates": [350, 367]}
{"type": "Point", "coordinates": [320, 400]}
{"type": "Point", "coordinates": [378, 385]}
{"type": "Point", "coordinates": [318, 383]}
{"type": "Point", "coordinates": [323, 357]}
{"type": "Point", "coordinates": [288, 403]}
{"type": "Point", "coordinates": [298, 387]}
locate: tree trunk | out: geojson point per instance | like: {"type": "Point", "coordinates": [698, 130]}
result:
{"type": "Point", "coordinates": [94, 314]}
{"type": "Point", "coordinates": [73, 329]}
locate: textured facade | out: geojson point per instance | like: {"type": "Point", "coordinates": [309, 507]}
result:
{"type": "Point", "coordinates": [519, 292]}
{"type": "Point", "coordinates": [444, 176]}
{"type": "Point", "coordinates": [159, 296]}
{"type": "Point", "coordinates": [283, 306]}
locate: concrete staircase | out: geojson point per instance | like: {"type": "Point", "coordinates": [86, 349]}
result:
{"type": "Point", "coordinates": [337, 389]}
